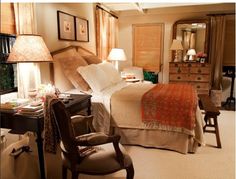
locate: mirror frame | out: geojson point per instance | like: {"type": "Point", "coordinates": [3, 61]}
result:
{"type": "Point", "coordinates": [190, 21]}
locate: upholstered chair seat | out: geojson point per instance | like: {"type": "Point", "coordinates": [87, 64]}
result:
{"type": "Point", "coordinates": [102, 161]}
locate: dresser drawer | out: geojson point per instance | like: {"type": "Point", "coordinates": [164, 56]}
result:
{"type": "Point", "coordinates": [199, 78]}
{"type": "Point", "coordinates": [171, 64]}
{"type": "Point", "coordinates": [201, 86]}
{"type": "Point", "coordinates": [179, 69]}
{"type": "Point", "coordinates": [200, 70]}
{"type": "Point", "coordinates": [203, 92]}
{"type": "Point", "coordinates": [179, 77]}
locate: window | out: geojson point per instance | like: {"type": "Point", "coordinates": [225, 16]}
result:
{"type": "Point", "coordinates": [8, 78]}
{"type": "Point", "coordinates": [148, 46]}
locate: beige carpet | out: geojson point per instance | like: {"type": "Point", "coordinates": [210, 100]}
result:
{"type": "Point", "coordinates": [208, 163]}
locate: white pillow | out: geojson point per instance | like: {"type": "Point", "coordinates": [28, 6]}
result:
{"type": "Point", "coordinates": [111, 72]}
{"type": "Point", "coordinates": [95, 77]}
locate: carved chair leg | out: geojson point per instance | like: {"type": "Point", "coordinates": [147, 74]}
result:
{"type": "Point", "coordinates": [130, 172]}
{"type": "Point", "coordinates": [64, 172]}
{"type": "Point", "coordinates": [74, 175]}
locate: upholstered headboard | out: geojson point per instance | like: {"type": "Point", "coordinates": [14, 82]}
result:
{"type": "Point", "coordinates": [58, 78]}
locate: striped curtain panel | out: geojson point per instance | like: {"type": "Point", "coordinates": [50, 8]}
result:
{"type": "Point", "coordinates": [106, 33]}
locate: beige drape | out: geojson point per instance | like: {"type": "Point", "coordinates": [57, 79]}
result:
{"type": "Point", "coordinates": [217, 49]}
{"type": "Point", "coordinates": [106, 33]}
{"type": "Point", "coordinates": [28, 74]}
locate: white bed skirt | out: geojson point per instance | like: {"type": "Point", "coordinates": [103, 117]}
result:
{"type": "Point", "coordinates": [158, 139]}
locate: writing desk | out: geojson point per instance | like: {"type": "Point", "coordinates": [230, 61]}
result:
{"type": "Point", "coordinates": [22, 123]}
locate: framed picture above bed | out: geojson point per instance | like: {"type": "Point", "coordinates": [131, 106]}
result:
{"type": "Point", "coordinates": [82, 30]}
{"type": "Point", "coordinates": [66, 26]}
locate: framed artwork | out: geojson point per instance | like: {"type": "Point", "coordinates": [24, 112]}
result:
{"type": "Point", "coordinates": [81, 28]}
{"type": "Point", "coordinates": [66, 26]}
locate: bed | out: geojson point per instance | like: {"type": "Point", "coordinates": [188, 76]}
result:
{"type": "Point", "coordinates": [116, 109]}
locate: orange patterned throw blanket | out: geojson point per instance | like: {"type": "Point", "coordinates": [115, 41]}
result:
{"type": "Point", "coordinates": [170, 107]}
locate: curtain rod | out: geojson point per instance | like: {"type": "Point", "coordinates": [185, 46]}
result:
{"type": "Point", "coordinates": [97, 6]}
{"type": "Point", "coordinates": [221, 14]}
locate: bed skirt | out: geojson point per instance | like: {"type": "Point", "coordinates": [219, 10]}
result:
{"type": "Point", "coordinates": [175, 141]}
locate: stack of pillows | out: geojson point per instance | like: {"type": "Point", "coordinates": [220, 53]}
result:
{"type": "Point", "coordinates": [89, 72]}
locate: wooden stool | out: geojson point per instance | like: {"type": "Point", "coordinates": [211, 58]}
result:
{"type": "Point", "coordinates": [211, 112]}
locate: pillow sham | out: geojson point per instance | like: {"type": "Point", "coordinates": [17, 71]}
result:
{"type": "Point", "coordinates": [95, 77]}
{"type": "Point", "coordinates": [92, 59]}
{"type": "Point", "coordinates": [111, 72]}
{"type": "Point", "coordinates": [69, 66]}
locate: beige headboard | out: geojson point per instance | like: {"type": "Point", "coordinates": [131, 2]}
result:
{"type": "Point", "coordinates": [57, 76]}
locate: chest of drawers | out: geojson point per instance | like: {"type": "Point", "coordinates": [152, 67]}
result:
{"type": "Point", "coordinates": [196, 74]}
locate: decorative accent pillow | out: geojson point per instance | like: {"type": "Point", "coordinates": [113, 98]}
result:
{"type": "Point", "coordinates": [110, 71]}
{"type": "Point", "coordinates": [95, 77]}
{"type": "Point", "coordinates": [69, 66]}
{"type": "Point", "coordinates": [92, 59]}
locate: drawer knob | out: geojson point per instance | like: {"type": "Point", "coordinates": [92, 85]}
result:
{"type": "Point", "coordinates": [199, 78]}
{"type": "Point", "coordinates": [199, 71]}
{"type": "Point", "coordinates": [198, 86]}
{"type": "Point", "coordinates": [178, 77]}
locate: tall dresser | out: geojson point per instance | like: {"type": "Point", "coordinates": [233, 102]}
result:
{"type": "Point", "coordinates": [197, 74]}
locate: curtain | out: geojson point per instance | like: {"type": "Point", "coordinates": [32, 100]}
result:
{"type": "Point", "coordinates": [107, 33]}
{"type": "Point", "coordinates": [28, 74]}
{"type": "Point", "coordinates": [216, 49]}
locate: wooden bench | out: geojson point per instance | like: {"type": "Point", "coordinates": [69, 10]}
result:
{"type": "Point", "coordinates": [211, 112]}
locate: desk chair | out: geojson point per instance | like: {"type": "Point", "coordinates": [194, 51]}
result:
{"type": "Point", "coordinates": [93, 153]}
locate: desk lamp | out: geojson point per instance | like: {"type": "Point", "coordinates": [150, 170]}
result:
{"type": "Point", "coordinates": [29, 48]}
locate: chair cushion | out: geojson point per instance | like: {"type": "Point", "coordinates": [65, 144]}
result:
{"type": "Point", "coordinates": [100, 162]}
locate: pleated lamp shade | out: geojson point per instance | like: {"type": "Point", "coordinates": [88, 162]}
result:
{"type": "Point", "coordinates": [29, 48]}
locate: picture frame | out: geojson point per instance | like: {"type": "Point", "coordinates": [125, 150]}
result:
{"type": "Point", "coordinates": [66, 26]}
{"type": "Point", "coordinates": [81, 29]}
{"type": "Point", "coordinates": [202, 60]}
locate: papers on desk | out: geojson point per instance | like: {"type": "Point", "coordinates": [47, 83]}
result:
{"type": "Point", "coordinates": [13, 105]}
{"type": "Point", "coordinates": [32, 109]}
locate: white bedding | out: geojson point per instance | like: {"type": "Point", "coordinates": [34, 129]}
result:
{"type": "Point", "coordinates": [101, 105]}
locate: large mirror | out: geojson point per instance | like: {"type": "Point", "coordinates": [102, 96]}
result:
{"type": "Point", "coordinates": [193, 35]}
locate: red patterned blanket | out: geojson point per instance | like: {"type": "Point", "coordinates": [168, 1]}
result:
{"type": "Point", "coordinates": [172, 105]}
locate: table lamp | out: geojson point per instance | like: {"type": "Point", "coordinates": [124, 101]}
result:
{"type": "Point", "coordinates": [176, 45]}
{"type": "Point", "coordinates": [117, 54]}
{"type": "Point", "coordinates": [191, 53]}
{"type": "Point", "coordinates": [29, 49]}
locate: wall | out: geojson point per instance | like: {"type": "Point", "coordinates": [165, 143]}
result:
{"type": "Point", "coordinates": [163, 15]}
{"type": "Point", "coordinates": [46, 14]}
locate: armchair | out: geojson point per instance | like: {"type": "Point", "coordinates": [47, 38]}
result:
{"type": "Point", "coordinates": [92, 153]}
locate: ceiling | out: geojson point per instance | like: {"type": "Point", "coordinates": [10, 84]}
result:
{"type": "Point", "coordinates": [142, 6]}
